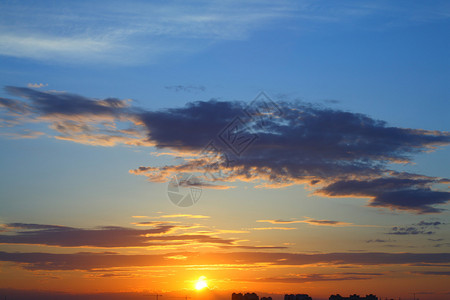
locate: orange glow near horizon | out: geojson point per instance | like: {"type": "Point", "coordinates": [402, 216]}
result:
{"type": "Point", "coordinates": [201, 283]}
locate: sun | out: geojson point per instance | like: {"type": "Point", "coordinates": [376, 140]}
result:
{"type": "Point", "coordinates": [201, 283]}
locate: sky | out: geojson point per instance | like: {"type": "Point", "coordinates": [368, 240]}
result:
{"type": "Point", "coordinates": [250, 146]}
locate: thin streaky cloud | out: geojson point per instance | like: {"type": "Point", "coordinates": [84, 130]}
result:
{"type": "Point", "coordinates": [279, 221]}
{"type": "Point", "coordinates": [187, 216]}
{"type": "Point", "coordinates": [253, 247]}
{"type": "Point", "coordinates": [186, 88]}
{"type": "Point", "coordinates": [274, 228]}
{"type": "Point", "coordinates": [379, 241]}
{"type": "Point", "coordinates": [315, 222]}
{"type": "Point", "coordinates": [89, 260]}
{"type": "Point", "coordinates": [433, 273]}
{"type": "Point", "coordinates": [148, 31]}
{"type": "Point", "coordinates": [25, 134]}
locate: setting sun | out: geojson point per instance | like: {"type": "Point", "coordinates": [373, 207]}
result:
{"type": "Point", "coordinates": [201, 283]}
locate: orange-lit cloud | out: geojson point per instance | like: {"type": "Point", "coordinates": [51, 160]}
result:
{"type": "Point", "coordinates": [36, 85]}
{"type": "Point", "coordinates": [24, 134]}
{"type": "Point", "coordinates": [311, 221]}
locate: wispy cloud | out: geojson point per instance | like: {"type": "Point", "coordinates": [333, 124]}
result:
{"type": "Point", "coordinates": [433, 273]}
{"type": "Point", "coordinates": [24, 134]}
{"type": "Point", "coordinates": [147, 31]}
{"type": "Point", "coordinates": [274, 228]}
{"type": "Point", "coordinates": [379, 241]}
{"type": "Point", "coordinates": [423, 227]}
{"type": "Point", "coordinates": [279, 221]}
{"type": "Point", "coordinates": [311, 221]}
{"type": "Point", "coordinates": [144, 32]}
{"type": "Point", "coordinates": [186, 88]}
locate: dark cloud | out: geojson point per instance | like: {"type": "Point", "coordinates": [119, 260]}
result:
{"type": "Point", "coordinates": [436, 273]}
{"type": "Point", "coordinates": [442, 245]}
{"type": "Point", "coordinates": [186, 88]}
{"type": "Point", "coordinates": [409, 230]}
{"type": "Point", "coordinates": [422, 227]}
{"type": "Point", "coordinates": [332, 101]}
{"type": "Point", "coordinates": [429, 265]}
{"type": "Point", "coordinates": [401, 191]}
{"type": "Point", "coordinates": [271, 144]}
{"type": "Point", "coordinates": [89, 261]}
{"type": "Point", "coordinates": [419, 200]}
{"type": "Point", "coordinates": [34, 226]}
{"type": "Point", "coordinates": [103, 237]}
{"type": "Point", "coordinates": [104, 122]}
{"type": "Point", "coordinates": [379, 241]}
{"type": "Point", "coordinates": [424, 223]}
{"type": "Point", "coordinates": [67, 104]}
{"type": "Point", "coordinates": [308, 145]}
{"type": "Point", "coordinates": [191, 127]}
{"type": "Point", "coordinates": [316, 137]}
{"type": "Point", "coordinates": [252, 247]}
{"type": "Point", "coordinates": [14, 106]}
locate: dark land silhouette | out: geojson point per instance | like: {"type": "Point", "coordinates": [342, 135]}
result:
{"type": "Point", "coordinates": [254, 296]}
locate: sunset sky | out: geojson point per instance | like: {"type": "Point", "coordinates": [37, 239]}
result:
{"type": "Point", "coordinates": [310, 137]}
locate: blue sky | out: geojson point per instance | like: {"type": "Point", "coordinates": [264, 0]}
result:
{"type": "Point", "coordinates": [311, 50]}
{"type": "Point", "coordinates": [93, 91]}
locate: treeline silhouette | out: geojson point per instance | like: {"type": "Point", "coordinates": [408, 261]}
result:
{"type": "Point", "coordinates": [253, 296]}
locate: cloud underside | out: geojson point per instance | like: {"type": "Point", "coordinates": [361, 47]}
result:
{"type": "Point", "coordinates": [90, 261]}
{"type": "Point", "coordinates": [161, 234]}
{"type": "Point", "coordinates": [337, 153]}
